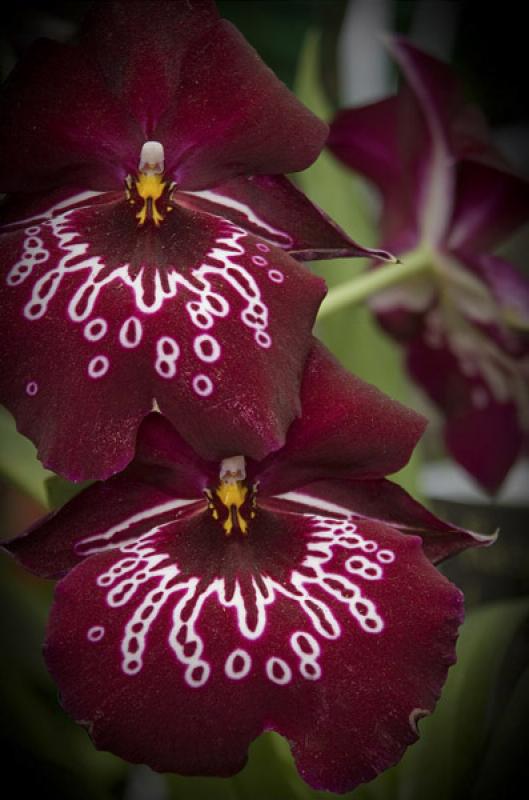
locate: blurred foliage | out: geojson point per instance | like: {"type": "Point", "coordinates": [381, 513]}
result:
{"type": "Point", "coordinates": [18, 460]}
{"type": "Point", "coordinates": [352, 333]}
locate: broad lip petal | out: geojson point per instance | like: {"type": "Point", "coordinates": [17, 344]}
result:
{"type": "Point", "coordinates": [179, 616]}
{"type": "Point", "coordinates": [134, 644]}
{"type": "Point", "coordinates": [197, 315]}
{"type": "Point", "coordinates": [79, 114]}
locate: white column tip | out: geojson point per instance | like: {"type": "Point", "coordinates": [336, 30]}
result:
{"type": "Point", "coordinates": [232, 469]}
{"type": "Point", "coordinates": [152, 158]}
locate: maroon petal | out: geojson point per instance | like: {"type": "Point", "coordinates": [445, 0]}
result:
{"type": "Point", "coordinates": [103, 517]}
{"type": "Point", "coordinates": [59, 124]}
{"type": "Point", "coordinates": [384, 501]}
{"type": "Point", "coordinates": [163, 646]}
{"type": "Point", "coordinates": [140, 49]}
{"type": "Point", "coordinates": [482, 404]}
{"type": "Point", "coordinates": [491, 203]}
{"type": "Point", "coordinates": [347, 428]}
{"type": "Point", "coordinates": [196, 318]}
{"type": "Point", "coordinates": [271, 207]}
{"type": "Point", "coordinates": [231, 116]}
{"type": "Point", "coordinates": [166, 71]}
{"type": "Point", "coordinates": [365, 138]}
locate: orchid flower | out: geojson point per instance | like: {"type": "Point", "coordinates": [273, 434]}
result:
{"type": "Point", "coordinates": [202, 603]}
{"type": "Point", "coordinates": [149, 242]}
{"type": "Point", "coordinates": [448, 202]}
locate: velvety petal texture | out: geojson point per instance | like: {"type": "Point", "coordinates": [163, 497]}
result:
{"type": "Point", "coordinates": [271, 207]}
{"type": "Point", "coordinates": [449, 195]}
{"type": "Point", "coordinates": [168, 71]}
{"type": "Point", "coordinates": [162, 646]}
{"type": "Point", "coordinates": [197, 319]}
{"type": "Point", "coordinates": [347, 428]}
{"type": "Point", "coordinates": [171, 626]}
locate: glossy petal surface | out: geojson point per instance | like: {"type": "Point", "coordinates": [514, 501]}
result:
{"type": "Point", "coordinates": [249, 634]}
{"type": "Point", "coordinates": [197, 319]}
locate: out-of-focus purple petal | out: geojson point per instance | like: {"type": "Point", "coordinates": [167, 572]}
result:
{"type": "Point", "coordinates": [510, 288]}
{"type": "Point", "coordinates": [483, 423]}
{"type": "Point", "coordinates": [365, 139]}
{"type": "Point", "coordinates": [491, 204]}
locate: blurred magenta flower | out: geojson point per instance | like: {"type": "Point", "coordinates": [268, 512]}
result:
{"type": "Point", "coordinates": [150, 240]}
{"type": "Point", "coordinates": [203, 604]}
{"type": "Point", "coordinates": [449, 201]}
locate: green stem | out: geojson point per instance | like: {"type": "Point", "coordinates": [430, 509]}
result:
{"type": "Point", "coordinates": [363, 286]}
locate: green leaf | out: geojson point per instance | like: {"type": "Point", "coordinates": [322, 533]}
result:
{"type": "Point", "coordinates": [19, 464]}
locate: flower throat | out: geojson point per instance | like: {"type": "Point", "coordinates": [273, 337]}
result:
{"type": "Point", "coordinates": [233, 503]}
{"type": "Point", "coordinates": [149, 190]}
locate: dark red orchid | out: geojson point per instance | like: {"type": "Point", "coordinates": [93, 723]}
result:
{"type": "Point", "coordinates": [450, 201]}
{"type": "Point", "coordinates": [205, 603]}
{"type": "Point", "coordinates": [148, 244]}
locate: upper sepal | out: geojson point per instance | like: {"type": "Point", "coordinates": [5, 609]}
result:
{"type": "Point", "coordinates": [79, 114]}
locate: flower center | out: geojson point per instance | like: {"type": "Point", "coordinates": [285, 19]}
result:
{"type": "Point", "coordinates": [149, 188]}
{"type": "Point", "coordinates": [233, 502]}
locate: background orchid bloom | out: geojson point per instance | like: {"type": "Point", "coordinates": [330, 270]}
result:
{"type": "Point", "coordinates": [147, 245]}
{"type": "Point", "coordinates": [203, 603]}
{"type": "Point", "coordinates": [449, 201]}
